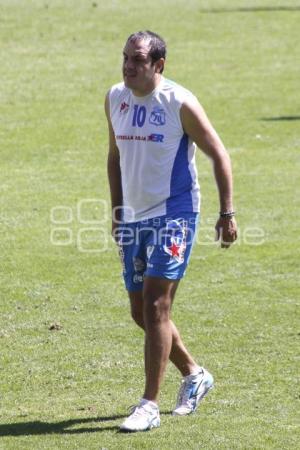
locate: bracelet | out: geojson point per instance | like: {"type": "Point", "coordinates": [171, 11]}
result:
{"type": "Point", "coordinates": [228, 214]}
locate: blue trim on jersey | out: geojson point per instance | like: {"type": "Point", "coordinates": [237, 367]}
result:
{"type": "Point", "coordinates": [181, 181]}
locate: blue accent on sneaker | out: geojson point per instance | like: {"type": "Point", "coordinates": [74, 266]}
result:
{"type": "Point", "coordinates": [192, 391]}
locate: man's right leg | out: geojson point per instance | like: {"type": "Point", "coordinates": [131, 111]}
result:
{"type": "Point", "coordinates": [179, 355]}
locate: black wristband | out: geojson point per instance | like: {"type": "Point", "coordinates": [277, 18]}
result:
{"type": "Point", "coordinates": [228, 214]}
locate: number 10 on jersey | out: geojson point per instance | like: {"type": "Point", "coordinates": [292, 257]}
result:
{"type": "Point", "coordinates": [139, 116]}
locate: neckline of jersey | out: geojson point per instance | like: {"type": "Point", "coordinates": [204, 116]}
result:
{"type": "Point", "coordinates": [146, 97]}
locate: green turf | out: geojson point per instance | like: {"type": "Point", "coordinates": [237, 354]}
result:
{"type": "Point", "coordinates": [70, 387]}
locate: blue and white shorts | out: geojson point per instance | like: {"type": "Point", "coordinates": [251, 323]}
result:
{"type": "Point", "coordinates": [157, 247]}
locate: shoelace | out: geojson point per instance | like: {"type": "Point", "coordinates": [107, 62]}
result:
{"type": "Point", "coordinates": [137, 410]}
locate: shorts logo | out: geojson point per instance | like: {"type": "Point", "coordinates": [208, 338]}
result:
{"type": "Point", "coordinates": [150, 249]}
{"type": "Point", "coordinates": [138, 264]}
{"type": "Point", "coordinates": [157, 116]}
{"type": "Point", "coordinates": [137, 278]}
{"type": "Point", "coordinates": [175, 243]}
{"type": "Point", "coordinates": [176, 250]}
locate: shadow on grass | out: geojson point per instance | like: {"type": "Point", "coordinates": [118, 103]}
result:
{"type": "Point", "coordinates": [250, 9]}
{"type": "Point", "coordinates": [275, 119]}
{"type": "Point", "coordinates": [37, 427]}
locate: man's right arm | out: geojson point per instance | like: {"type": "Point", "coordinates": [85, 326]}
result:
{"type": "Point", "coordinates": [114, 172]}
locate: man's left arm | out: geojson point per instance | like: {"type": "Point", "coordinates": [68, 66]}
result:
{"type": "Point", "coordinates": [198, 127]}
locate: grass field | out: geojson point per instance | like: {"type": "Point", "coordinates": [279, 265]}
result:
{"type": "Point", "coordinates": [70, 356]}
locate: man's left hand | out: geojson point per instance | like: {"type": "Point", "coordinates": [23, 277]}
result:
{"type": "Point", "coordinates": [226, 231]}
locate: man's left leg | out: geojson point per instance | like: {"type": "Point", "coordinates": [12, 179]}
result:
{"type": "Point", "coordinates": [179, 355]}
{"type": "Point", "coordinates": [157, 299]}
{"type": "Point", "coordinates": [157, 302]}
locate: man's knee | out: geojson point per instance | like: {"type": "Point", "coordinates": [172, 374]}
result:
{"type": "Point", "coordinates": [157, 304]}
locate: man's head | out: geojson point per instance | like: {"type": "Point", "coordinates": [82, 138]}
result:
{"type": "Point", "coordinates": [144, 57]}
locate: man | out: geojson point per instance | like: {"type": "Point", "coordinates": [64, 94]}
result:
{"type": "Point", "coordinates": [153, 125]}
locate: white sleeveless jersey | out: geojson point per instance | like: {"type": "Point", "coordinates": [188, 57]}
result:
{"type": "Point", "coordinates": [157, 159]}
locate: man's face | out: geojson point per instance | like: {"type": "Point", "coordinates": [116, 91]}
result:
{"type": "Point", "coordinates": [139, 72]}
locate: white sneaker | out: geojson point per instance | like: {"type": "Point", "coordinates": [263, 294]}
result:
{"type": "Point", "coordinates": [143, 417]}
{"type": "Point", "coordinates": [192, 391]}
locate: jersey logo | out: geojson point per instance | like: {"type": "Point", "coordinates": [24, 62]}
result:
{"type": "Point", "coordinates": [157, 116]}
{"type": "Point", "coordinates": [124, 108]}
{"type": "Point", "coordinates": [156, 137]}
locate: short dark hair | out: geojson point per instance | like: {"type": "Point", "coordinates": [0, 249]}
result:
{"type": "Point", "coordinates": [158, 47]}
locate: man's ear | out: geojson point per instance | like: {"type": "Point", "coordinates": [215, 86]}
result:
{"type": "Point", "coordinates": [159, 65]}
